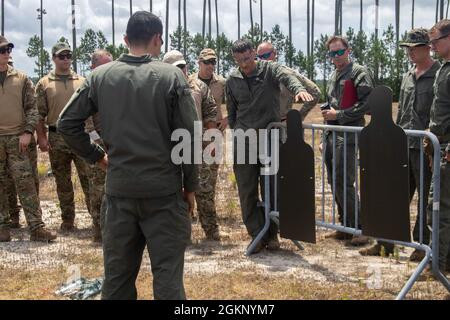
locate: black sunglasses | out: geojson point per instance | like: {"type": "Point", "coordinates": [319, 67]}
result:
{"type": "Point", "coordinates": [181, 66]}
{"type": "Point", "coordinates": [210, 62]}
{"type": "Point", "coordinates": [338, 53]}
{"type": "Point", "coordinates": [63, 56]}
{"type": "Point", "coordinates": [5, 50]}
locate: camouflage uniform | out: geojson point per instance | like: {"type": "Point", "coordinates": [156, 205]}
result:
{"type": "Point", "coordinates": [205, 197]}
{"type": "Point", "coordinates": [53, 92]}
{"type": "Point", "coordinates": [18, 91]}
{"type": "Point", "coordinates": [13, 205]}
{"type": "Point", "coordinates": [287, 100]}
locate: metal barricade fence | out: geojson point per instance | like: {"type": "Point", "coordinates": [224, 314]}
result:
{"type": "Point", "coordinates": [431, 253]}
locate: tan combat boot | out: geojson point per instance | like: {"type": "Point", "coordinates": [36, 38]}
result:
{"type": "Point", "coordinates": [42, 235]}
{"type": "Point", "coordinates": [5, 235]}
{"type": "Point", "coordinates": [417, 256]}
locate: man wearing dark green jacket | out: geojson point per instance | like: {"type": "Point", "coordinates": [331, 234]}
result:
{"type": "Point", "coordinates": [140, 102]}
{"type": "Point", "coordinates": [253, 102]}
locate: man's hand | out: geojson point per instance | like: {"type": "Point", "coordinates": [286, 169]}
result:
{"type": "Point", "coordinates": [222, 124]}
{"type": "Point", "coordinates": [43, 143]}
{"type": "Point", "coordinates": [103, 163]}
{"type": "Point", "coordinates": [447, 156]}
{"type": "Point", "coordinates": [304, 96]}
{"type": "Point", "coordinates": [329, 115]}
{"type": "Point", "coordinates": [189, 198]}
{"type": "Point", "coordinates": [24, 142]}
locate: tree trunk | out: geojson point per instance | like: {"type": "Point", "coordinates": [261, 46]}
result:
{"type": "Point", "coordinates": [74, 37]}
{"type": "Point", "coordinates": [251, 18]}
{"type": "Point", "coordinates": [113, 25]}
{"type": "Point", "coordinates": [184, 29]}
{"type": "Point", "coordinates": [397, 21]}
{"type": "Point", "coordinates": [239, 18]}
{"type": "Point", "coordinates": [290, 30]}
{"type": "Point", "coordinates": [204, 20]}
{"type": "Point", "coordinates": [180, 30]}
{"type": "Point", "coordinates": [210, 20]}
{"type": "Point", "coordinates": [262, 18]}
{"type": "Point", "coordinates": [217, 38]}
{"type": "Point", "coordinates": [311, 69]}
{"type": "Point", "coordinates": [308, 28]}
{"type": "Point", "coordinates": [361, 15]}
{"type": "Point", "coordinates": [167, 26]}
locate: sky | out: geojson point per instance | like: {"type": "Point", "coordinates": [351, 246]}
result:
{"type": "Point", "coordinates": [21, 21]}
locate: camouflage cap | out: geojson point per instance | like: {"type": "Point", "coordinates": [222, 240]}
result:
{"type": "Point", "coordinates": [416, 37]}
{"type": "Point", "coordinates": [4, 42]}
{"type": "Point", "coordinates": [174, 57]}
{"type": "Point", "coordinates": [207, 54]}
{"type": "Point", "coordinates": [60, 47]}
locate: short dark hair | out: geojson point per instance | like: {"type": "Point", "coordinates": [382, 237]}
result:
{"type": "Point", "coordinates": [142, 27]}
{"type": "Point", "coordinates": [442, 26]}
{"type": "Point", "coordinates": [338, 38]}
{"type": "Point", "coordinates": [241, 46]}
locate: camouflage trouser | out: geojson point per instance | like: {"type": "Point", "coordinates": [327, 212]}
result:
{"type": "Point", "coordinates": [96, 191]}
{"type": "Point", "coordinates": [61, 157]}
{"type": "Point", "coordinates": [444, 214]}
{"type": "Point", "coordinates": [205, 197]}
{"type": "Point", "coordinates": [21, 170]}
{"type": "Point", "coordinates": [13, 205]}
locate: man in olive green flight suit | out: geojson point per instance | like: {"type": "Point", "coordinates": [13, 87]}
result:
{"type": "Point", "coordinates": [416, 97]}
{"type": "Point", "coordinates": [339, 52]}
{"type": "Point", "coordinates": [440, 126]}
{"type": "Point", "coordinates": [141, 102]}
{"type": "Point", "coordinates": [253, 101]}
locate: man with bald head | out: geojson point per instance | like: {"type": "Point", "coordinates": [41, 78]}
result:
{"type": "Point", "coordinates": [267, 52]}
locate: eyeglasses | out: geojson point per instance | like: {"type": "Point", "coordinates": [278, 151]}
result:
{"type": "Point", "coordinates": [63, 56]}
{"type": "Point", "coordinates": [210, 62]}
{"type": "Point", "coordinates": [264, 56]}
{"type": "Point", "coordinates": [181, 66]}
{"type": "Point", "coordinates": [337, 53]}
{"type": "Point", "coordinates": [7, 50]}
{"type": "Point", "coordinates": [434, 41]}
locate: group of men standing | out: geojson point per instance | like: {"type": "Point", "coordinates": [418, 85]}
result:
{"type": "Point", "coordinates": [26, 110]}
{"type": "Point", "coordinates": [121, 119]}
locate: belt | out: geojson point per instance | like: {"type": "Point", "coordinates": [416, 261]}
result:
{"type": "Point", "coordinates": [52, 129]}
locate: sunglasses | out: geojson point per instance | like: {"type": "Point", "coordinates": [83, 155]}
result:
{"type": "Point", "coordinates": [5, 50]}
{"type": "Point", "coordinates": [67, 56]}
{"type": "Point", "coordinates": [434, 41]}
{"type": "Point", "coordinates": [337, 53]}
{"type": "Point", "coordinates": [264, 56]}
{"type": "Point", "coordinates": [181, 66]}
{"type": "Point", "coordinates": [210, 62]}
